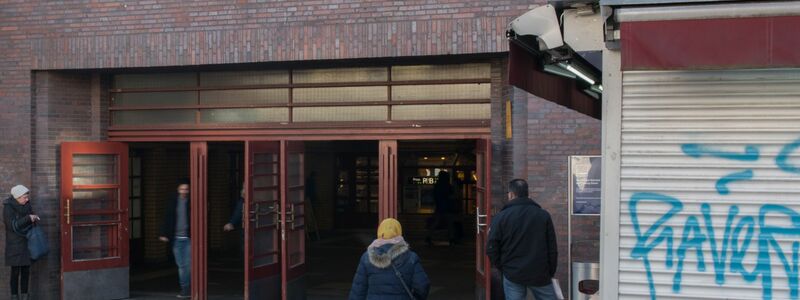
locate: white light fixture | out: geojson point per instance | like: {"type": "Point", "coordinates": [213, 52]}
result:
{"type": "Point", "coordinates": [597, 88]}
{"type": "Point", "coordinates": [558, 70]}
{"type": "Point", "coordinates": [578, 73]}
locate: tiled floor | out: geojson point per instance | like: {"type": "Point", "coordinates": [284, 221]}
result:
{"type": "Point", "coordinates": [332, 262]}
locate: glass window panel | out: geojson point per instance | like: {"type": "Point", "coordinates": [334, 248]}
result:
{"type": "Point", "coordinates": [136, 187]}
{"type": "Point", "coordinates": [442, 72]}
{"type": "Point", "coordinates": [136, 207]}
{"type": "Point", "coordinates": [295, 247]}
{"type": "Point", "coordinates": [266, 215]}
{"type": "Point", "coordinates": [340, 75]}
{"type": "Point", "coordinates": [94, 169]}
{"type": "Point", "coordinates": [480, 111]}
{"type": "Point", "coordinates": [265, 195]}
{"type": "Point", "coordinates": [341, 94]}
{"type": "Point", "coordinates": [153, 117]}
{"type": "Point", "coordinates": [245, 97]}
{"type": "Point", "coordinates": [265, 181]}
{"type": "Point", "coordinates": [136, 229]}
{"type": "Point", "coordinates": [94, 218]}
{"type": "Point", "coordinates": [264, 242]}
{"type": "Point", "coordinates": [136, 166]}
{"type": "Point", "coordinates": [295, 169]}
{"type": "Point", "coordinates": [154, 99]}
{"type": "Point", "coordinates": [441, 92]}
{"type": "Point", "coordinates": [244, 115]}
{"type": "Point", "coordinates": [239, 78]}
{"type": "Point", "coordinates": [155, 80]}
{"type": "Point", "coordinates": [102, 199]}
{"type": "Point", "coordinates": [340, 113]}
{"type": "Point", "coordinates": [296, 197]}
{"type": "Point", "coordinates": [265, 158]}
{"type": "Point", "coordinates": [94, 242]}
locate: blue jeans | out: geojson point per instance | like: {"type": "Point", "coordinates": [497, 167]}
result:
{"type": "Point", "coordinates": [518, 291]}
{"type": "Point", "coordinates": [182, 250]}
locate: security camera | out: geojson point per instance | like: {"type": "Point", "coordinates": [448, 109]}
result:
{"type": "Point", "coordinates": [541, 23]}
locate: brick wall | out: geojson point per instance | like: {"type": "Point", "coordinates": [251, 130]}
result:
{"type": "Point", "coordinates": [545, 135]}
{"type": "Point", "coordinates": [40, 35]}
{"type": "Point", "coordinates": [60, 113]}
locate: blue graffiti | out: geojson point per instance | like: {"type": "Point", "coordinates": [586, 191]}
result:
{"type": "Point", "coordinates": [783, 157]}
{"type": "Point", "coordinates": [695, 235]}
{"type": "Point", "coordinates": [740, 231]}
{"type": "Point", "coordinates": [698, 151]}
{"type": "Point", "coordinates": [722, 183]}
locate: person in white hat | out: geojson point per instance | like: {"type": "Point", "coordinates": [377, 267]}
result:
{"type": "Point", "coordinates": [18, 217]}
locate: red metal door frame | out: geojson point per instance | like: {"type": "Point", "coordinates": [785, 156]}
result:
{"type": "Point", "coordinates": [483, 186]}
{"type": "Point", "coordinates": [387, 179]}
{"type": "Point", "coordinates": [198, 156]}
{"type": "Point", "coordinates": [254, 210]}
{"type": "Point", "coordinates": [67, 151]}
{"type": "Point", "coordinates": [292, 210]}
{"type": "Point", "coordinates": [198, 165]}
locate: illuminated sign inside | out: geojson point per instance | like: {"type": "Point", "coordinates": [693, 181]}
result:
{"type": "Point", "coordinates": [422, 180]}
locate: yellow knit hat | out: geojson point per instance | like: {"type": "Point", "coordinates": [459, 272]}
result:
{"type": "Point", "coordinates": [389, 229]}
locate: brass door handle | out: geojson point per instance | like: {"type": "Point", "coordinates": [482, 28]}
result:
{"type": "Point", "coordinates": [66, 213]}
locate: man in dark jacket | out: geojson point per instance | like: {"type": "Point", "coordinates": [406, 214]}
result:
{"type": "Point", "coordinates": [176, 229]}
{"type": "Point", "coordinates": [522, 245]}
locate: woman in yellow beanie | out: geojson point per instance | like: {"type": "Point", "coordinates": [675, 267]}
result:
{"type": "Point", "coordinates": [389, 269]}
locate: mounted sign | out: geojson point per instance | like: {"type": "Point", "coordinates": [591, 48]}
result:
{"type": "Point", "coordinates": [584, 183]}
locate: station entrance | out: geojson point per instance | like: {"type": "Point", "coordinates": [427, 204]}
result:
{"type": "Point", "coordinates": [308, 211]}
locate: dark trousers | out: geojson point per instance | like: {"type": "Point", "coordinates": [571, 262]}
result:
{"type": "Point", "coordinates": [19, 277]}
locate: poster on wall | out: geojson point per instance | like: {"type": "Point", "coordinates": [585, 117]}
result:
{"type": "Point", "coordinates": [585, 185]}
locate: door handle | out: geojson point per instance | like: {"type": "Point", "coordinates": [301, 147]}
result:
{"type": "Point", "coordinates": [290, 217]}
{"type": "Point", "coordinates": [478, 217]}
{"type": "Point", "coordinates": [254, 214]}
{"type": "Point", "coordinates": [66, 211]}
{"type": "Point", "coordinates": [276, 214]}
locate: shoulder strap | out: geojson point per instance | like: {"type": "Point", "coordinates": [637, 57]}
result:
{"type": "Point", "coordinates": [399, 276]}
{"type": "Point", "coordinates": [15, 228]}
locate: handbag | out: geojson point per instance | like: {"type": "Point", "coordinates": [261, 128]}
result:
{"type": "Point", "coordinates": [397, 273]}
{"type": "Point", "coordinates": [37, 242]}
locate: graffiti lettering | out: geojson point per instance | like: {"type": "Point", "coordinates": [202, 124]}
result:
{"type": "Point", "coordinates": [727, 254]}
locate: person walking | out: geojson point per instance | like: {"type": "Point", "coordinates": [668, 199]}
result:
{"type": "Point", "coordinates": [389, 269]}
{"type": "Point", "coordinates": [18, 217]}
{"type": "Point", "coordinates": [175, 229]}
{"type": "Point", "coordinates": [235, 221]}
{"type": "Point", "coordinates": [522, 245]}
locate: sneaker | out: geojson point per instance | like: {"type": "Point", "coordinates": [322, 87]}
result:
{"type": "Point", "coordinates": [184, 294]}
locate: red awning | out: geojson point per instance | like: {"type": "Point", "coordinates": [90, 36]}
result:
{"type": "Point", "coordinates": [524, 72]}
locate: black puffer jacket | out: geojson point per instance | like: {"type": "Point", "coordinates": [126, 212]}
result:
{"type": "Point", "coordinates": [16, 216]}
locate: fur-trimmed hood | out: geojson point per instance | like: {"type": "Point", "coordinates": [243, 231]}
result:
{"type": "Point", "coordinates": [382, 256]}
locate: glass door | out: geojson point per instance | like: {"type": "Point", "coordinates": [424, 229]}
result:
{"type": "Point", "coordinates": [94, 220]}
{"type": "Point", "coordinates": [262, 204]}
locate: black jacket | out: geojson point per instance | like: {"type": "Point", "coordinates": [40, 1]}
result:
{"type": "Point", "coordinates": [16, 216]}
{"type": "Point", "coordinates": [168, 225]}
{"type": "Point", "coordinates": [522, 243]}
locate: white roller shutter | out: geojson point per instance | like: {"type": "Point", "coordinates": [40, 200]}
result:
{"type": "Point", "coordinates": [725, 140]}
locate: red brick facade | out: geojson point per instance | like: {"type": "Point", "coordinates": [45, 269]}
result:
{"type": "Point", "coordinates": [52, 88]}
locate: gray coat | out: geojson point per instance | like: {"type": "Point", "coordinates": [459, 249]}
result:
{"type": "Point", "coordinates": [16, 216]}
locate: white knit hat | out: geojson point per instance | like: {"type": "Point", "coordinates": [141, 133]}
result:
{"type": "Point", "coordinates": [19, 191]}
